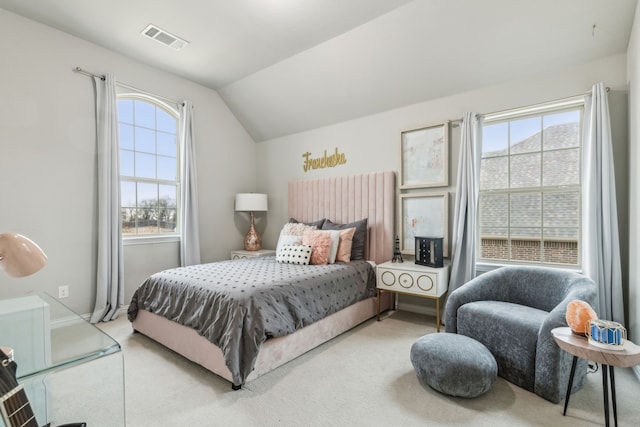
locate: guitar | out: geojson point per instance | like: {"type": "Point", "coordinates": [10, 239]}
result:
{"type": "Point", "coordinates": [16, 410]}
{"type": "Point", "coordinates": [14, 404]}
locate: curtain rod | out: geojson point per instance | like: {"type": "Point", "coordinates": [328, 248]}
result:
{"type": "Point", "coordinates": [533, 107]}
{"type": "Point", "coordinates": [126, 86]}
{"type": "Point", "coordinates": [458, 122]}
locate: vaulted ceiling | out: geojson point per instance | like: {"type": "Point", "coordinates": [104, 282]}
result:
{"type": "Point", "coordinates": [286, 66]}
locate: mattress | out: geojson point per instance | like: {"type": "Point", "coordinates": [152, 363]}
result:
{"type": "Point", "coordinates": [237, 305]}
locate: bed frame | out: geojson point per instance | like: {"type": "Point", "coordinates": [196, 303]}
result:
{"type": "Point", "coordinates": [340, 199]}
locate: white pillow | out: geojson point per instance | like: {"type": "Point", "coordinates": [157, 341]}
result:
{"type": "Point", "coordinates": [335, 242]}
{"type": "Point", "coordinates": [294, 254]}
{"type": "Point", "coordinates": [286, 239]}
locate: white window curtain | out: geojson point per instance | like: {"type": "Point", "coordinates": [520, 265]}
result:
{"type": "Point", "coordinates": [110, 281]}
{"type": "Point", "coordinates": [600, 241]}
{"type": "Point", "coordinates": [463, 258]}
{"type": "Point", "coordinates": [189, 238]}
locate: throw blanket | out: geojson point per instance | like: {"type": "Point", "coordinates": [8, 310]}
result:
{"type": "Point", "coordinates": [238, 304]}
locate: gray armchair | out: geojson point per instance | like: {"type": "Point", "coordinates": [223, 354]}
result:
{"type": "Point", "coordinates": [512, 311]}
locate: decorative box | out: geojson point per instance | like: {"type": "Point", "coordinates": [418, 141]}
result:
{"type": "Point", "coordinates": [429, 251]}
{"type": "Point", "coordinates": [606, 334]}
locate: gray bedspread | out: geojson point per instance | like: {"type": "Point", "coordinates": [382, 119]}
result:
{"type": "Point", "coordinates": [238, 304]}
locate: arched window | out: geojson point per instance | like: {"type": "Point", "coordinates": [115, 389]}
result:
{"type": "Point", "coordinates": [149, 172]}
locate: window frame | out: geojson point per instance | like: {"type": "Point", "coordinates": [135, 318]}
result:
{"type": "Point", "coordinates": [538, 110]}
{"type": "Point", "coordinates": [132, 239]}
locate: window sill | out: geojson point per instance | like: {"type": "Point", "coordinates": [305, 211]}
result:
{"type": "Point", "coordinates": [149, 240]}
{"type": "Point", "coordinates": [484, 267]}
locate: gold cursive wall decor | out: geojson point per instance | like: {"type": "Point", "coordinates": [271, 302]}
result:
{"type": "Point", "coordinates": [326, 161]}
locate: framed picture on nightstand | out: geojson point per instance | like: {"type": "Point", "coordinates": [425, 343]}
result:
{"type": "Point", "coordinates": [423, 214]}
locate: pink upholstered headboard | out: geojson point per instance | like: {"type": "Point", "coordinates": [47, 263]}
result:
{"type": "Point", "coordinates": [350, 198]}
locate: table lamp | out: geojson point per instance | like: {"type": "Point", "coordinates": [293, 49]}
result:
{"type": "Point", "coordinates": [20, 256]}
{"type": "Point", "coordinates": [251, 202]}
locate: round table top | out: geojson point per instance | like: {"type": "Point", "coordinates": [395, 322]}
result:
{"type": "Point", "coordinates": [628, 355]}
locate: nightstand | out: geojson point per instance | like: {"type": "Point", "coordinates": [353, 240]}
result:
{"type": "Point", "coordinates": [413, 279]}
{"type": "Point", "coordinates": [242, 254]}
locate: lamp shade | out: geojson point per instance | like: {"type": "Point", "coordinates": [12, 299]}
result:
{"type": "Point", "coordinates": [20, 256]}
{"type": "Point", "coordinates": [251, 202]}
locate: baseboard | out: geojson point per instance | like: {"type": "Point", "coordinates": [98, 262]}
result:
{"type": "Point", "coordinates": [122, 312]}
{"type": "Point", "coordinates": [415, 308]}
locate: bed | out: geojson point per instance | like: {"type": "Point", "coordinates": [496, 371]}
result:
{"type": "Point", "coordinates": [180, 317]}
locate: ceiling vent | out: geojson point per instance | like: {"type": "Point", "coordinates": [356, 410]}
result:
{"type": "Point", "coordinates": [164, 37]}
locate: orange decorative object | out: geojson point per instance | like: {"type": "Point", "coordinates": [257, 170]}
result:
{"type": "Point", "coordinates": [579, 313]}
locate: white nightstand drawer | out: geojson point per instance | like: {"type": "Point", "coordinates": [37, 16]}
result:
{"type": "Point", "coordinates": [413, 279]}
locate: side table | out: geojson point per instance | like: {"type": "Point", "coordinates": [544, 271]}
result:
{"type": "Point", "coordinates": [578, 346]}
{"type": "Point", "coordinates": [413, 279]}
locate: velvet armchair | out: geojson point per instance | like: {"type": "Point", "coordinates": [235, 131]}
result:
{"type": "Point", "coordinates": [512, 310]}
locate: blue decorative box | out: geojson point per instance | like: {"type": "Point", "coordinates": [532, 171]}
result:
{"type": "Point", "coordinates": [606, 334]}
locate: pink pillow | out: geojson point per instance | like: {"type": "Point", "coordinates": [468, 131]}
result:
{"type": "Point", "coordinates": [296, 229]}
{"type": "Point", "coordinates": [320, 242]}
{"type": "Point", "coordinates": [291, 234]}
{"type": "Point", "coordinates": [344, 247]}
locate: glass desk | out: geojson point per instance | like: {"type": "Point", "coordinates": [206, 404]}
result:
{"type": "Point", "coordinates": [71, 370]}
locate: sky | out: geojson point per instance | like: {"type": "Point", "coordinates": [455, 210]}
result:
{"type": "Point", "coordinates": [495, 137]}
{"type": "Point", "coordinates": [148, 149]}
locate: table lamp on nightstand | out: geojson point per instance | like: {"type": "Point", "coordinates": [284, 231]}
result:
{"type": "Point", "coordinates": [251, 202]}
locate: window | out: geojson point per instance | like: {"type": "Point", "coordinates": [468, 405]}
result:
{"type": "Point", "coordinates": [148, 166]}
{"type": "Point", "coordinates": [530, 187]}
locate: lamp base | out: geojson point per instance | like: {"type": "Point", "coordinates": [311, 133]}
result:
{"type": "Point", "coordinates": [252, 241]}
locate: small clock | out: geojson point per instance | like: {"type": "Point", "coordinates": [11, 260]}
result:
{"type": "Point", "coordinates": [429, 251]}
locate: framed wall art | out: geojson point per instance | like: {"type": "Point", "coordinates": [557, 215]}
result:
{"type": "Point", "coordinates": [424, 157]}
{"type": "Point", "coordinates": [423, 215]}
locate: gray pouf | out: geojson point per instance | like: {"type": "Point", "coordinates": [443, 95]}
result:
{"type": "Point", "coordinates": [454, 364]}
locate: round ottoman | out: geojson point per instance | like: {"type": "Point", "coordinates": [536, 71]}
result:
{"type": "Point", "coordinates": [454, 364]}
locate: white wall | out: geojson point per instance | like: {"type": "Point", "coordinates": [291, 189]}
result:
{"type": "Point", "coordinates": [372, 143]}
{"type": "Point", "coordinates": [633, 75]}
{"type": "Point", "coordinates": [48, 159]}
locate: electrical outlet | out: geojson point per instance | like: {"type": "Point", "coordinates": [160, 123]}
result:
{"type": "Point", "coordinates": [63, 291]}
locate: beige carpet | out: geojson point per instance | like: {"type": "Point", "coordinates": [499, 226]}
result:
{"type": "Point", "coordinates": [362, 378]}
